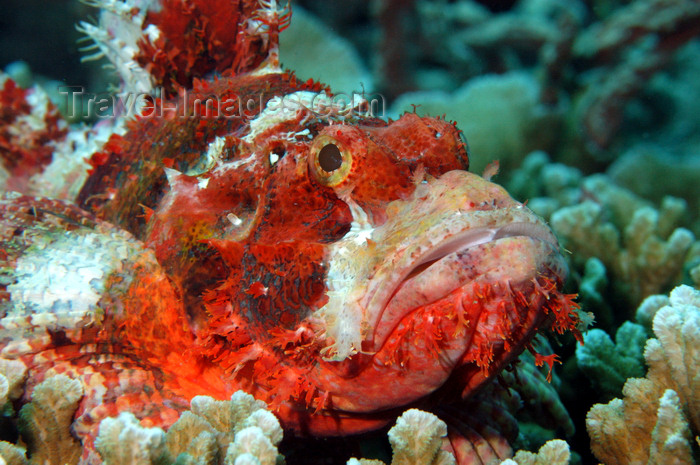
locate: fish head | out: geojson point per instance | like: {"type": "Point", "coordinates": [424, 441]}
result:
{"type": "Point", "coordinates": [365, 257]}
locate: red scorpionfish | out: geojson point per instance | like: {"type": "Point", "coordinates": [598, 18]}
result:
{"type": "Point", "coordinates": [340, 267]}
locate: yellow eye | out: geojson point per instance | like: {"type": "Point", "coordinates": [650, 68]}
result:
{"type": "Point", "coordinates": [329, 162]}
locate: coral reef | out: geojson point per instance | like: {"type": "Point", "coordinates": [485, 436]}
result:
{"type": "Point", "coordinates": [235, 432]}
{"type": "Point", "coordinates": [644, 250]}
{"type": "Point", "coordinates": [623, 34]}
{"type": "Point", "coordinates": [659, 417]}
{"type": "Point", "coordinates": [641, 247]}
{"type": "Point", "coordinates": [653, 173]}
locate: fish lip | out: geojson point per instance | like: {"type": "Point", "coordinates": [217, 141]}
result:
{"type": "Point", "coordinates": [474, 237]}
{"type": "Point", "coordinates": [536, 231]}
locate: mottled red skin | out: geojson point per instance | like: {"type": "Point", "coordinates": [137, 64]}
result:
{"type": "Point", "coordinates": [228, 308]}
{"type": "Point", "coordinates": [197, 38]}
{"type": "Point", "coordinates": [24, 153]}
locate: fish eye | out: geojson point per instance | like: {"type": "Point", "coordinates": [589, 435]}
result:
{"type": "Point", "coordinates": [330, 158]}
{"type": "Point", "coordinates": [329, 161]}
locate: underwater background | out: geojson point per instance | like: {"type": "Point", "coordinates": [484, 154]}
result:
{"type": "Point", "coordinates": [591, 109]}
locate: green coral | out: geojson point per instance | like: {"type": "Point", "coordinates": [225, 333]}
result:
{"type": "Point", "coordinates": [591, 293]}
{"type": "Point", "coordinates": [608, 365]}
{"type": "Point", "coordinates": [334, 61]}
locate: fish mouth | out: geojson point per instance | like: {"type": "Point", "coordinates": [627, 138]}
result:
{"type": "Point", "coordinates": [457, 279]}
{"type": "Point", "coordinates": [513, 253]}
{"type": "Point", "coordinates": [472, 238]}
{"type": "Point", "coordinates": [450, 223]}
{"type": "Point", "coordinates": [473, 290]}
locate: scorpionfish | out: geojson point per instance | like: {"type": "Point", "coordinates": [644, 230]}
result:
{"type": "Point", "coordinates": [248, 231]}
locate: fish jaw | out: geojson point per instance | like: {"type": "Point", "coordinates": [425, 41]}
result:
{"type": "Point", "coordinates": [452, 279]}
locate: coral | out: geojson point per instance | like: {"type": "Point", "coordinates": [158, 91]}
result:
{"type": "Point", "coordinates": [554, 452]}
{"type": "Point", "coordinates": [469, 39]}
{"type": "Point", "coordinates": [598, 70]}
{"type": "Point", "coordinates": [12, 376]}
{"type": "Point", "coordinates": [521, 407]}
{"type": "Point", "coordinates": [622, 34]}
{"type": "Point", "coordinates": [608, 364]}
{"type": "Point", "coordinates": [239, 431]}
{"type": "Point", "coordinates": [591, 292]}
{"type": "Point", "coordinates": [644, 249]}
{"type": "Point", "coordinates": [123, 440]}
{"type": "Point", "coordinates": [659, 414]}
{"type": "Point", "coordinates": [251, 446]}
{"type": "Point", "coordinates": [500, 116]}
{"type": "Point", "coordinates": [637, 244]}
{"type": "Point", "coordinates": [395, 19]}
{"type": "Point", "coordinates": [648, 308]}
{"type": "Point", "coordinates": [541, 414]}
{"type": "Point", "coordinates": [12, 455]}
{"type": "Point", "coordinates": [45, 421]}
{"type": "Point", "coordinates": [334, 61]}
{"type": "Point", "coordinates": [653, 172]}
{"type": "Point", "coordinates": [416, 439]}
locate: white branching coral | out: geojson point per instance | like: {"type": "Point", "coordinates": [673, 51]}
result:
{"type": "Point", "coordinates": [554, 452]}
{"type": "Point", "coordinates": [45, 422]}
{"type": "Point", "coordinates": [123, 441]}
{"type": "Point", "coordinates": [638, 244]}
{"type": "Point", "coordinates": [416, 439]}
{"type": "Point", "coordinates": [240, 430]}
{"type": "Point", "coordinates": [12, 376]}
{"type": "Point", "coordinates": [249, 444]}
{"type": "Point", "coordinates": [655, 422]}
